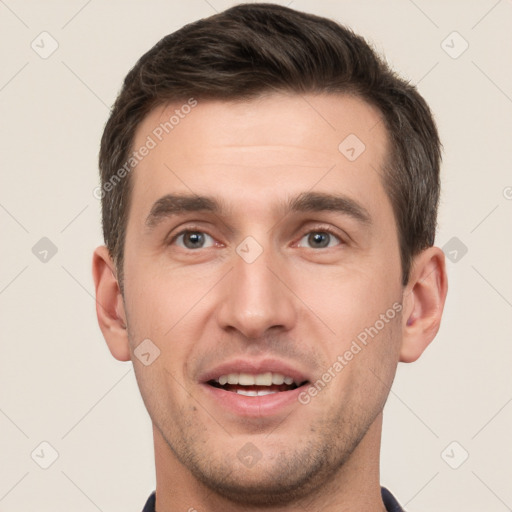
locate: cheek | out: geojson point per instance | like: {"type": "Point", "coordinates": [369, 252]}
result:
{"type": "Point", "coordinates": [161, 393]}
{"type": "Point", "coordinates": [159, 297]}
{"type": "Point", "coordinates": [349, 300]}
{"type": "Point", "coordinates": [169, 308]}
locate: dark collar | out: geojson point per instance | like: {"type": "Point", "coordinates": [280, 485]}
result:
{"type": "Point", "coordinates": [150, 504]}
{"type": "Point", "coordinates": [388, 499]}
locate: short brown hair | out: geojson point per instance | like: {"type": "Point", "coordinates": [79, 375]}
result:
{"type": "Point", "coordinates": [252, 49]}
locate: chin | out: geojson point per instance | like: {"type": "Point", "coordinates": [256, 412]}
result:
{"type": "Point", "coordinates": [281, 480]}
{"type": "Point", "coordinates": [258, 490]}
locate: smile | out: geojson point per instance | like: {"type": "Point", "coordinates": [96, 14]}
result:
{"type": "Point", "coordinates": [261, 384]}
{"type": "Point", "coordinates": [254, 388]}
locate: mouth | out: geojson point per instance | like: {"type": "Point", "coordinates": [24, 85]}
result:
{"type": "Point", "coordinates": [253, 385]}
{"type": "Point", "coordinates": [254, 389]}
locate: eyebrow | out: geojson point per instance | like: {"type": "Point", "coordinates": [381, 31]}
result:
{"type": "Point", "coordinates": [179, 204]}
{"type": "Point", "coordinates": [173, 204]}
{"type": "Point", "coordinates": [321, 201]}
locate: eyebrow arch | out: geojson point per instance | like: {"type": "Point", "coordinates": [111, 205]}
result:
{"type": "Point", "coordinates": [178, 204]}
{"type": "Point", "coordinates": [320, 201]}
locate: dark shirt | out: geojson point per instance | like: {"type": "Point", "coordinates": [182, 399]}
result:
{"type": "Point", "coordinates": [388, 499]}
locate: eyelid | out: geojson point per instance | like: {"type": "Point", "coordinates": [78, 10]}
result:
{"type": "Point", "coordinates": [171, 238]}
{"type": "Point", "coordinates": [342, 238]}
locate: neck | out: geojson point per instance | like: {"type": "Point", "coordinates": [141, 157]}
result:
{"type": "Point", "coordinates": [355, 486]}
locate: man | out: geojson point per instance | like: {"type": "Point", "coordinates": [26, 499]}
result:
{"type": "Point", "coordinates": [269, 194]}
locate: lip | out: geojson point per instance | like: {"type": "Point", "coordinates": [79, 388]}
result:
{"type": "Point", "coordinates": [254, 406]}
{"type": "Point", "coordinates": [254, 367]}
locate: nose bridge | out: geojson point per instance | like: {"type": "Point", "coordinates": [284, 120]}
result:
{"type": "Point", "coordinates": [256, 300]}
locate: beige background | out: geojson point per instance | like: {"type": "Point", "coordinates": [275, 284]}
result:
{"type": "Point", "coordinates": [58, 382]}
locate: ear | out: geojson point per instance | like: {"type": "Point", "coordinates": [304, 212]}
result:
{"type": "Point", "coordinates": [424, 298]}
{"type": "Point", "coordinates": [110, 305]}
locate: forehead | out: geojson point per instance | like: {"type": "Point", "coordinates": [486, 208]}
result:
{"type": "Point", "coordinates": [259, 149]}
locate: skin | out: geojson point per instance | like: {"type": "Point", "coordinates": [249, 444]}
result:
{"type": "Point", "coordinates": [296, 302]}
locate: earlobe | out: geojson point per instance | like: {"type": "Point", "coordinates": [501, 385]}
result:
{"type": "Point", "coordinates": [109, 305]}
{"type": "Point", "coordinates": [424, 299]}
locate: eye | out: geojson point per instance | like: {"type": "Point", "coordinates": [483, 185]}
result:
{"type": "Point", "coordinates": [193, 240]}
{"type": "Point", "coordinates": [319, 240]}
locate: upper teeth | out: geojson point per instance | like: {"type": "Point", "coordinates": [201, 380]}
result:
{"type": "Point", "coordinates": [262, 379]}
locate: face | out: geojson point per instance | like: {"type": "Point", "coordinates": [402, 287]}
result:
{"type": "Point", "coordinates": [262, 261]}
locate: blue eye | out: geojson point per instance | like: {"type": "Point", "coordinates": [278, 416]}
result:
{"type": "Point", "coordinates": [194, 240]}
{"type": "Point", "coordinates": [319, 240]}
{"type": "Point", "coordinates": [191, 240]}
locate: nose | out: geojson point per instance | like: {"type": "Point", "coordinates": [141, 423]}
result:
{"type": "Point", "coordinates": [256, 297]}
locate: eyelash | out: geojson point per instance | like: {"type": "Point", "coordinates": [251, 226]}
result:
{"type": "Point", "coordinates": [318, 229]}
{"type": "Point", "coordinates": [323, 229]}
